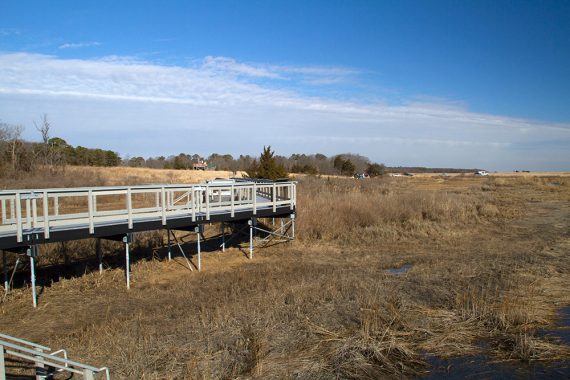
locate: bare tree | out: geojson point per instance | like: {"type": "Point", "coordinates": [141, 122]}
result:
{"type": "Point", "coordinates": [49, 154]}
{"type": "Point", "coordinates": [10, 140]}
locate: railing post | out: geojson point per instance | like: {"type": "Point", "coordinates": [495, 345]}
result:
{"type": "Point", "coordinates": [87, 374]}
{"type": "Point", "coordinates": [19, 221]}
{"type": "Point", "coordinates": [294, 194]}
{"type": "Point", "coordinates": [163, 203]}
{"type": "Point", "coordinates": [254, 198]}
{"type": "Point", "coordinates": [40, 368]}
{"type": "Point", "coordinates": [291, 186]}
{"type": "Point", "coordinates": [34, 212]}
{"type": "Point", "coordinates": [90, 211]}
{"type": "Point", "coordinates": [232, 204]}
{"type": "Point", "coordinates": [3, 211]}
{"type": "Point", "coordinates": [46, 215]}
{"type": "Point", "coordinates": [56, 205]}
{"type": "Point", "coordinates": [12, 209]}
{"type": "Point", "coordinates": [130, 208]}
{"type": "Point", "coordinates": [274, 196]}
{"type": "Point", "coordinates": [2, 365]}
{"type": "Point", "coordinates": [28, 213]}
{"type": "Point", "coordinates": [193, 204]}
{"type": "Point", "coordinates": [207, 202]}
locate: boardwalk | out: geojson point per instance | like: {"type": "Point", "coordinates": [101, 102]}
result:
{"type": "Point", "coordinates": [29, 218]}
{"type": "Point", "coordinates": [51, 215]}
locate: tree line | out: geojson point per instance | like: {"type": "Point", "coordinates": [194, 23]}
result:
{"type": "Point", "coordinates": [53, 153]}
{"type": "Point", "coordinates": [18, 156]}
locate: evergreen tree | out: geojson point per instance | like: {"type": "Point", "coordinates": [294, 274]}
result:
{"type": "Point", "coordinates": [375, 170]}
{"type": "Point", "coordinates": [266, 168]}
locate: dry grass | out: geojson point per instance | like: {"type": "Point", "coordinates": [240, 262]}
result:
{"type": "Point", "coordinates": [489, 259]}
{"type": "Point", "coordinates": [79, 176]}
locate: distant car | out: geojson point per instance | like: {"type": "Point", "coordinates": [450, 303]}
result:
{"type": "Point", "coordinates": [481, 172]}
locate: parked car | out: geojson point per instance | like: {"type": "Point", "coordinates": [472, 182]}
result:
{"type": "Point", "coordinates": [481, 172]}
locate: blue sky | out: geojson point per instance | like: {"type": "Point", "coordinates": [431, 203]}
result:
{"type": "Point", "coordinates": [434, 83]}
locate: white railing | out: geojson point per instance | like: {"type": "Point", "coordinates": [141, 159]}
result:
{"type": "Point", "coordinates": [44, 360]}
{"type": "Point", "coordinates": [41, 211]}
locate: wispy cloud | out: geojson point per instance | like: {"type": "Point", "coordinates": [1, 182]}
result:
{"type": "Point", "coordinates": [78, 45]}
{"type": "Point", "coordinates": [310, 75]}
{"type": "Point", "coordinates": [222, 105]}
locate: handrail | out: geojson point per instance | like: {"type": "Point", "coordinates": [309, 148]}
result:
{"type": "Point", "coordinates": [36, 354]}
{"type": "Point", "coordinates": [41, 211]}
{"type": "Point", "coordinates": [23, 341]}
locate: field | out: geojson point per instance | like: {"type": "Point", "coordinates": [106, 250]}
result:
{"type": "Point", "coordinates": [488, 272]}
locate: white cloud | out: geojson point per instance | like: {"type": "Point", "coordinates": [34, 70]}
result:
{"type": "Point", "coordinates": [78, 45]}
{"type": "Point", "coordinates": [220, 105]}
{"type": "Point", "coordinates": [311, 75]}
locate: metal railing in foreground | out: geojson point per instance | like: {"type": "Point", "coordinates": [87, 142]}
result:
{"type": "Point", "coordinates": [47, 363]}
{"type": "Point", "coordinates": [41, 211]}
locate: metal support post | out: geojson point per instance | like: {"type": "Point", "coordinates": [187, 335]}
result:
{"type": "Point", "coordinates": [223, 238]}
{"type": "Point", "coordinates": [169, 250]}
{"type": "Point", "coordinates": [250, 222]}
{"type": "Point", "coordinates": [127, 261]}
{"type": "Point", "coordinates": [32, 252]}
{"type": "Point", "coordinates": [5, 267]}
{"type": "Point", "coordinates": [197, 229]}
{"type": "Point", "coordinates": [99, 254]}
{"type": "Point", "coordinates": [293, 226]}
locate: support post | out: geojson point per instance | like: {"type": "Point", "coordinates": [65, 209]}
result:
{"type": "Point", "coordinates": [169, 250]}
{"type": "Point", "coordinates": [127, 261]}
{"type": "Point", "coordinates": [197, 229]}
{"type": "Point", "coordinates": [32, 252]}
{"type": "Point", "coordinates": [223, 238]}
{"type": "Point", "coordinates": [99, 254]}
{"type": "Point", "coordinates": [250, 222]}
{"type": "Point", "coordinates": [5, 268]}
{"type": "Point", "coordinates": [292, 226]}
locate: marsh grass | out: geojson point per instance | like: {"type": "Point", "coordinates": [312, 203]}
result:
{"type": "Point", "coordinates": [488, 273]}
